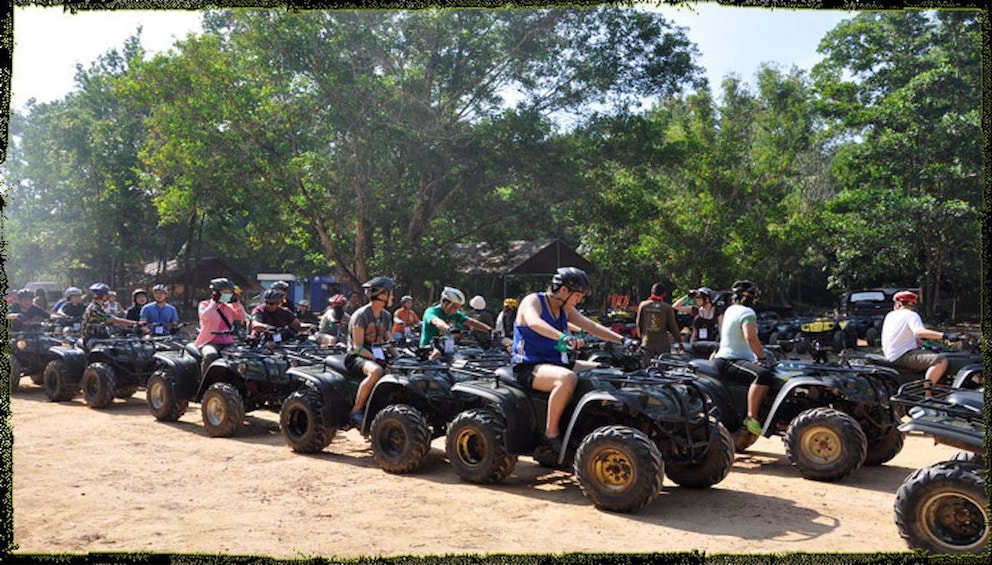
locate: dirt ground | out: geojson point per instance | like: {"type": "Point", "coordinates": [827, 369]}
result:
{"type": "Point", "coordinates": [117, 480]}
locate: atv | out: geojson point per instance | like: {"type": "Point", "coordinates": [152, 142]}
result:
{"type": "Point", "coordinates": [624, 431]}
{"type": "Point", "coordinates": [833, 418]}
{"type": "Point", "coordinates": [943, 508]}
{"type": "Point", "coordinates": [30, 351]}
{"type": "Point", "coordinates": [964, 368]}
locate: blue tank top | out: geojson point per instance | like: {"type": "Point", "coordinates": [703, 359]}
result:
{"type": "Point", "coordinates": [532, 347]}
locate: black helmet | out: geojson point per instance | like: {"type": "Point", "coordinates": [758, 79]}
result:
{"type": "Point", "coordinates": [25, 293]}
{"type": "Point", "coordinates": [273, 294]}
{"type": "Point", "coordinates": [281, 285]}
{"type": "Point", "coordinates": [378, 285]}
{"type": "Point", "coordinates": [740, 287]}
{"type": "Point", "coordinates": [575, 279]}
{"type": "Point", "coordinates": [221, 284]}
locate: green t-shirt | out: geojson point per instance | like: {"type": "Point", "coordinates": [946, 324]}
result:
{"type": "Point", "coordinates": [428, 331]}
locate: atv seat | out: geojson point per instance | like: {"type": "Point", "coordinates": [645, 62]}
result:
{"type": "Point", "coordinates": [336, 364]}
{"type": "Point", "coordinates": [876, 359]}
{"type": "Point", "coordinates": [705, 367]}
{"type": "Point", "coordinates": [505, 375]}
{"type": "Point", "coordinates": [194, 351]}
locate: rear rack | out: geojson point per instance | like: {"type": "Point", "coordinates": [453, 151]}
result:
{"type": "Point", "coordinates": [957, 402]}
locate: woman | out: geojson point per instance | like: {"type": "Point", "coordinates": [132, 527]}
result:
{"type": "Point", "coordinates": [138, 300]}
{"type": "Point", "coordinates": [706, 317]}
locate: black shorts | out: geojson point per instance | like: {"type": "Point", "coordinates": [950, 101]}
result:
{"type": "Point", "coordinates": [744, 372]}
{"type": "Point", "coordinates": [524, 372]}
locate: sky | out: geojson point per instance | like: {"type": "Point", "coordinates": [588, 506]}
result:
{"type": "Point", "coordinates": [729, 39]}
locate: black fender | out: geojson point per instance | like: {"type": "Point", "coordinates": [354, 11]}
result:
{"type": "Point", "coordinates": [389, 386]}
{"type": "Point", "coordinates": [337, 392]}
{"type": "Point", "coordinates": [952, 434]}
{"type": "Point", "coordinates": [969, 376]}
{"type": "Point", "coordinates": [220, 371]}
{"type": "Point", "coordinates": [185, 370]}
{"type": "Point", "coordinates": [816, 382]}
{"type": "Point", "coordinates": [599, 398]}
{"type": "Point", "coordinates": [514, 404]}
{"type": "Point", "coordinates": [73, 358]}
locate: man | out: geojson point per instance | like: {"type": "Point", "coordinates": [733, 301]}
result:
{"type": "Point", "coordinates": [405, 318]}
{"type": "Point", "coordinates": [369, 334]}
{"type": "Point", "coordinates": [111, 306]}
{"type": "Point", "coordinates": [287, 301]}
{"type": "Point", "coordinates": [70, 312]}
{"type": "Point", "coordinates": [479, 313]}
{"type": "Point", "coordinates": [218, 317]}
{"type": "Point", "coordinates": [95, 318]}
{"type": "Point", "coordinates": [272, 316]}
{"type": "Point", "coordinates": [159, 317]}
{"type": "Point", "coordinates": [741, 356]}
{"type": "Point", "coordinates": [304, 314]}
{"type": "Point", "coordinates": [541, 339]}
{"type": "Point", "coordinates": [902, 331]}
{"type": "Point", "coordinates": [354, 302]}
{"type": "Point", "coordinates": [24, 311]}
{"type": "Point", "coordinates": [656, 321]}
{"type": "Point", "coordinates": [442, 318]}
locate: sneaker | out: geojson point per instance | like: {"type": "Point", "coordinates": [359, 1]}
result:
{"type": "Point", "coordinates": [753, 426]}
{"type": "Point", "coordinates": [553, 443]}
{"type": "Point", "coordinates": [357, 418]}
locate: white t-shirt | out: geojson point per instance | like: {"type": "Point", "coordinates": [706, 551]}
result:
{"type": "Point", "coordinates": [733, 344]}
{"type": "Point", "coordinates": [899, 333]}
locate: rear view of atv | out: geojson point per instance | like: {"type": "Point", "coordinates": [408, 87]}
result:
{"type": "Point", "coordinates": [944, 508]}
{"type": "Point", "coordinates": [964, 365]}
{"type": "Point", "coordinates": [622, 432]}
{"type": "Point", "coordinates": [30, 352]}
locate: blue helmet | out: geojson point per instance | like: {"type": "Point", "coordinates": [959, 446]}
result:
{"type": "Point", "coordinates": [99, 289]}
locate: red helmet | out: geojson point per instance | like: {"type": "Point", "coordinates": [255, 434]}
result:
{"type": "Point", "coordinates": [906, 297]}
{"type": "Point", "coordinates": [338, 300]}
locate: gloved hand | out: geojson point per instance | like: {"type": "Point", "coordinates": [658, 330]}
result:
{"type": "Point", "coordinates": [951, 337]}
{"type": "Point", "coordinates": [629, 342]}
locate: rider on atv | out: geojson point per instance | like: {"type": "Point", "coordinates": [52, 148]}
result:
{"type": "Point", "coordinates": [95, 318]}
{"type": "Point", "coordinates": [902, 331]}
{"type": "Point", "coordinates": [217, 321]}
{"type": "Point", "coordinates": [541, 339]}
{"type": "Point", "coordinates": [442, 317]}
{"type": "Point", "coordinates": [272, 316]}
{"type": "Point", "coordinates": [23, 311]}
{"type": "Point", "coordinates": [369, 333]}
{"type": "Point", "coordinates": [72, 308]}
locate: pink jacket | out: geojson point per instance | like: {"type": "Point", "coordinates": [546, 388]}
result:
{"type": "Point", "coordinates": [210, 322]}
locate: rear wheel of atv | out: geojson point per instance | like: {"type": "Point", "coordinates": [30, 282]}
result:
{"type": "Point", "coordinates": [802, 346]}
{"type": "Point", "coordinates": [840, 341]}
{"type": "Point", "coordinates": [301, 424]}
{"type": "Point", "coordinates": [942, 508]}
{"type": "Point", "coordinates": [711, 468]}
{"type": "Point", "coordinates": [884, 448]}
{"type": "Point", "coordinates": [619, 468]}
{"type": "Point", "coordinates": [969, 457]}
{"type": "Point", "coordinates": [57, 385]}
{"type": "Point", "coordinates": [871, 337]}
{"type": "Point", "coordinates": [160, 394]}
{"type": "Point", "coordinates": [223, 410]}
{"type": "Point", "coordinates": [401, 438]}
{"type": "Point", "coordinates": [98, 385]}
{"type": "Point", "coordinates": [825, 444]}
{"type": "Point", "coordinates": [15, 374]}
{"type": "Point", "coordinates": [476, 448]}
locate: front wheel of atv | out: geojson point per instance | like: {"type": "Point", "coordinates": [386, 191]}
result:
{"type": "Point", "coordinates": [619, 468]}
{"type": "Point", "coordinates": [160, 394]}
{"type": "Point", "coordinates": [15, 374]}
{"type": "Point", "coordinates": [57, 385]}
{"type": "Point", "coordinates": [825, 444]}
{"type": "Point", "coordinates": [401, 438]}
{"type": "Point", "coordinates": [884, 448]}
{"type": "Point", "coordinates": [476, 448]}
{"type": "Point", "coordinates": [943, 509]}
{"type": "Point", "coordinates": [301, 424]}
{"type": "Point", "coordinates": [223, 410]}
{"type": "Point", "coordinates": [98, 385]}
{"type": "Point", "coordinates": [711, 468]}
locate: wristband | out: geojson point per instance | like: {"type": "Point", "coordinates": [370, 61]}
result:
{"type": "Point", "coordinates": [361, 348]}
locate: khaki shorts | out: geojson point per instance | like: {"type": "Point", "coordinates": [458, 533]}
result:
{"type": "Point", "coordinates": [918, 360]}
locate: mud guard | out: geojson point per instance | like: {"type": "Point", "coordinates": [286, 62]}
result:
{"type": "Point", "coordinates": [514, 405]}
{"type": "Point", "coordinates": [336, 392]}
{"type": "Point", "coordinates": [74, 359]}
{"type": "Point", "coordinates": [601, 397]}
{"type": "Point", "coordinates": [381, 391]}
{"type": "Point", "coordinates": [185, 369]}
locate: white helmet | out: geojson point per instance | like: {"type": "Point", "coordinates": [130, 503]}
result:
{"type": "Point", "coordinates": [477, 303]}
{"type": "Point", "coordinates": [453, 295]}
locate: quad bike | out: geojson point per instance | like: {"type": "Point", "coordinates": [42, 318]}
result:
{"type": "Point", "coordinates": [114, 367]}
{"type": "Point", "coordinates": [964, 368]}
{"type": "Point", "coordinates": [627, 357]}
{"type": "Point", "coordinates": [30, 352]}
{"type": "Point", "coordinates": [833, 418]}
{"type": "Point", "coordinates": [623, 431]}
{"type": "Point", "coordinates": [944, 508]}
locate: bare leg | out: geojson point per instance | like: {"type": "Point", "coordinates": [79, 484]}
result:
{"type": "Point", "coordinates": [755, 395]}
{"type": "Point", "coordinates": [560, 383]}
{"type": "Point", "coordinates": [372, 374]}
{"type": "Point", "coordinates": [935, 372]}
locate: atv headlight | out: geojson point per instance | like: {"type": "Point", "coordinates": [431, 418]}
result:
{"type": "Point", "coordinates": [242, 368]}
{"type": "Point", "coordinates": [22, 344]}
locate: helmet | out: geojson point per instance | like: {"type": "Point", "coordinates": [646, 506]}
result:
{"type": "Point", "coordinates": [378, 285]}
{"type": "Point", "coordinates": [273, 294]}
{"type": "Point", "coordinates": [25, 293]}
{"type": "Point", "coordinates": [237, 290]}
{"type": "Point", "coordinates": [575, 279]}
{"type": "Point", "coordinates": [906, 297]}
{"type": "Point", "coordinates": [99, 289]}
{"type": "Point", "coordinates": [511, 302]}
{"type": "Point", "coordinates": [281, 285]}
{"type": "Point", "coordinates": [453, 295]}
{"type": "Point", "coordinates": [338, 300]}
{"type": "Point", "coordinates": [221, 284]}
{"type": "Point", "coordinates": [740, 287]}
{"type": "Point", "coordinates": [406, 297]}
{"type": "Point", "coordinates": [137, 291]}
{"type": "Point", "coordinates": [159, 287]}
{"type": "Point", "coordinates": [477, 303]}
{"type": "Point", "coordinates": [707, 292]}
{"type": "Point", "coordinates": [73, 291]}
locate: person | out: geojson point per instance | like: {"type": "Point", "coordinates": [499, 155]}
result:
{"type": "Point", "coordinates": [305, 315]}
{"type": "Point", "coordinates": [540, 335]}
{"type": "Point", "coordinates": [70, 313]}
{"type": "Point", "coordinates": [139, 297]}
{"type": "Point", "coordinates": [740, 356]}
{"type": "Point", "coordinates": [112, 306]}
{"type": "Point", "coordinates": [478, 306]}
{"type": "Point", "coordinates": [218, 318]}
{"type": "Point", "coordinates": [63, 300]}
{"type": "Point", "coordinates": [23, 311]}
{"type": "Point", "coordinates": [442, 318]}
{"type": "Point", "coordinates": [41, 299]}
{"type": "Point", "coordinates": [505, 318]}
{"type": "Point", "coordinates": [405, 318]}
{"type": "Point", "coordinates": [287, 301]}
{"type": "Point", "coordinates": [354, 302]}
{"type": "Point", "coordinates": [334, 322]}
{"type": "Point", "coordinates": [706, 317]}
{"type": "Point", "coordinates": [369, 333]}
{"type": "Point", "coordinates": [160, 317]}
{"type": "Point", "coordinates": [96, 318]}
{"type": "Point", "coordinates": [902, 330]}
{"type": "Point", "coordinates": [272, 316]}
{"type": "Point", "coordinates": [656, 321]}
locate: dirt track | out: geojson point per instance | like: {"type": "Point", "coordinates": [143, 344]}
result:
{"type": "Point", "coordinates": [117, 480]}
